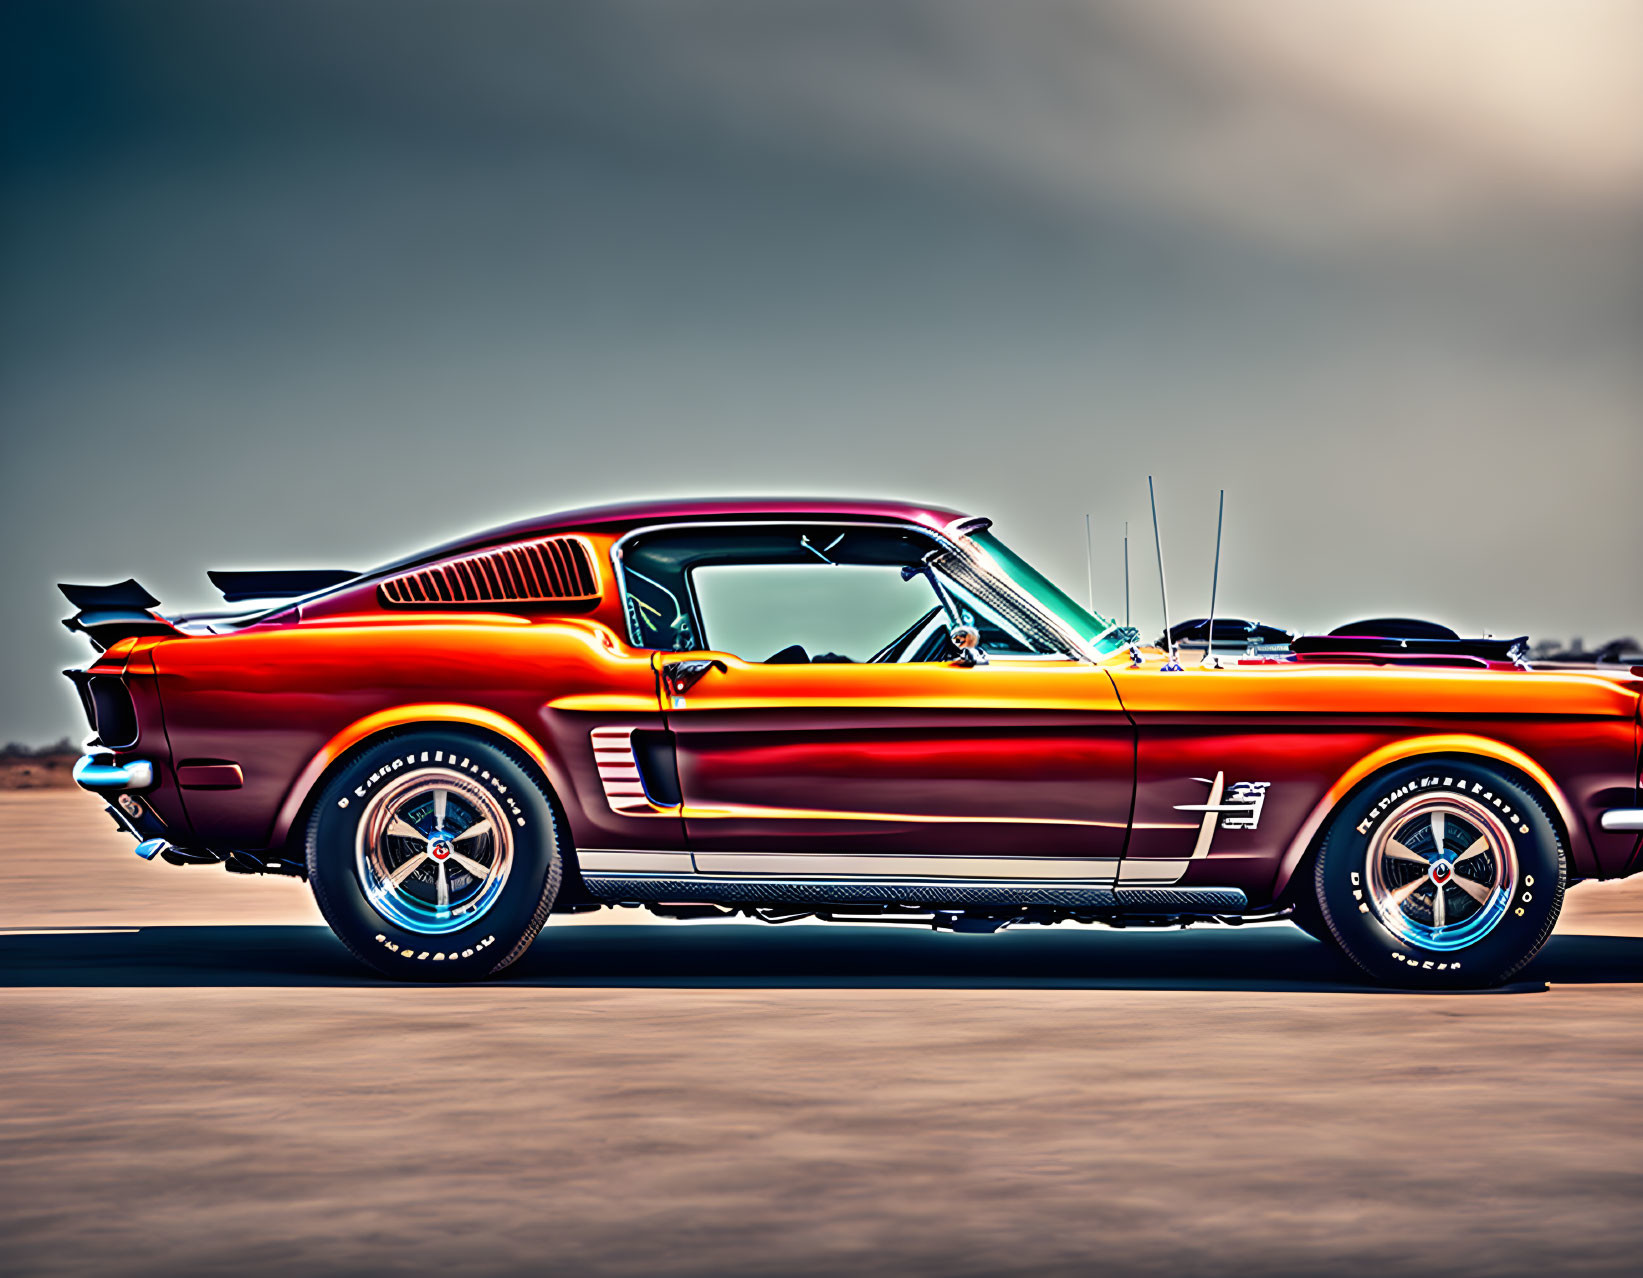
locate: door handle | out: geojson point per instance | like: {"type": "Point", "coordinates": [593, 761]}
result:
{"type": "Point", "coordinates": [681, 676]}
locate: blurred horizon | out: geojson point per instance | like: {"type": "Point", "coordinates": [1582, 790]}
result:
{"type": "Point", "coordinates": [320, 284]}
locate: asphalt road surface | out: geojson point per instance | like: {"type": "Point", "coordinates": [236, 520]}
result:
{"type": "Point", "coordinates": [195, 1078]}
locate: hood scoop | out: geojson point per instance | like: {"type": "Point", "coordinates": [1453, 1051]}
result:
{"type": "Point", "coordinates": [1407, 641]}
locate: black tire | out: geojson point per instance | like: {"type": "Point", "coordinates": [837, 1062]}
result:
{"type": "Point", "coordinates": [520, 846]}
{"type": "Point", "coordinates": [1310, 918]}
{"type": "Point", "coordinates": [1427, 928]}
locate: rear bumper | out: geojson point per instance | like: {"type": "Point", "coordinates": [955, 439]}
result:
{"type": "Point", "coordinates": [101, 775]}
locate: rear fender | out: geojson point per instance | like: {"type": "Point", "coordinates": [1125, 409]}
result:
{"type": "Point", "coordinates": [302, 789]}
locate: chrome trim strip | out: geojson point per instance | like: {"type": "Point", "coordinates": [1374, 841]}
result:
{"type": "Point", "coordinates": [749, 811]}
{"type": "Point", "coordinates": [1151, 872]}
{"type": "Point", "coordinates": [102, 778]}
{"type": "Point", "coordinates": [626, 861]}
{"type": "Point", "coordinates": [830, 865]}
{"type": "Point", "coordinates": [1211, 818]}
{"type": "Point", "coordinates": [1622, 819]}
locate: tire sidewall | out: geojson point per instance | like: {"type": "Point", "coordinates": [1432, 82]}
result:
{"type": "Point", "coordinates": [1341, 876]}
{"type": "Point", "coordinates": [495, 938]}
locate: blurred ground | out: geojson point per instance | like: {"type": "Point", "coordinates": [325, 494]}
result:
{"type": "Point", "coordinates": [197, 1079]}
{"type": "Point", "coordinates": [24, 769]}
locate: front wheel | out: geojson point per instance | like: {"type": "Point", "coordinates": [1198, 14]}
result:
{"type": "Point", "coordinates": [435, 855]}
{"type": "Point", "coordinates": [1310, 918]}
{"type": "Point", "coordinates": [1441, 874]}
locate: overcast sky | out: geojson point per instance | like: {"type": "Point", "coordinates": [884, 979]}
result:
{"type": "Point", "coordinates": [318, 284]}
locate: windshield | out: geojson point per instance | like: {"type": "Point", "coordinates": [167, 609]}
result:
{"type": "Point", "coordinates": [1101, 634]}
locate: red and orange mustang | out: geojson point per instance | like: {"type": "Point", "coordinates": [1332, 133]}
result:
{"type": "Point", "coordinates": [847, 709]}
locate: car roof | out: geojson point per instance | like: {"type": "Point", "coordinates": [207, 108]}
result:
{"type": "Point", "coordinates": [623, 516]}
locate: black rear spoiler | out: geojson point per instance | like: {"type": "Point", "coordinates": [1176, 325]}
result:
{"type": "Point", "coordinates": [277, 583]}
{"type": "Point", "coordinates": [108, 614]}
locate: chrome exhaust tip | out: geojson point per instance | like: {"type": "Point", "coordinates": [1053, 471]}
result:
{"type": "Point", "coordinates": [97, 773]}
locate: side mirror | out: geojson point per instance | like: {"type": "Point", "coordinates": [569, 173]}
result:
{"type": "Point", "coordinates": [967, 639]}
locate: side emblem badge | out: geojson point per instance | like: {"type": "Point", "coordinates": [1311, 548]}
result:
{"type": "Point", "coordinates": [1241, 808]}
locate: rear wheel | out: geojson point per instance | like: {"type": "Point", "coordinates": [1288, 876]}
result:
{"type": "Point", "coordinates": [1442, 873]}
{"type": "Point", "coordinates": [435, 855]}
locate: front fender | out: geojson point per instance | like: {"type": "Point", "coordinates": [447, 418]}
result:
{"type": "Point", "coordinates": [1412, 748]}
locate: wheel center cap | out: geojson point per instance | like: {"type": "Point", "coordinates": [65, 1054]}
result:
{"type": "Point", "coordinates": [439, 847]}
{"type": "Point", "coordinates": [1441, 872]}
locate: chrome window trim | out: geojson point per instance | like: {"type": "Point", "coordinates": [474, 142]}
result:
{"type": "Point", "coordinates": [1075, 647]}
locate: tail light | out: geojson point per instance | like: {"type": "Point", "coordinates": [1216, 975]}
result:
{"type": "Point", "coordinates": [108, 707]}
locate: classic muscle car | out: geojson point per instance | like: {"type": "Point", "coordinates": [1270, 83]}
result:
{"type": "Point", "coordinates": [848, 710]}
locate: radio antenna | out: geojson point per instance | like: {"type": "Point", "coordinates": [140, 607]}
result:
{"type": "Point", "coordinates": [1163, 590]}
{"type": "Point", "coordinates": [1214, 582]}
{"type": "Point", "coordinates": [1126, 574]}
{"type": "Point", "coordinates": [1089, 560]}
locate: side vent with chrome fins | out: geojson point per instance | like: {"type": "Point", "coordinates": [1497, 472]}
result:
{"type": "Point", "coordinates": [557, 570]}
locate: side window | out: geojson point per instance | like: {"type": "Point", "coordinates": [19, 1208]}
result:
{"type": "Point", "coordinates": [658, 614]}
{"type": "Point", "coordinates": [806, 612]}
{"type": "Point", "coordinates": [800, 592]}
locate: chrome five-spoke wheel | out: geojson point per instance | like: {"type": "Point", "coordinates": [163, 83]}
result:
{"type": "Point", "coordinates": [433, 851]}
{"type": "Point", "coordinates": [1441, 871]}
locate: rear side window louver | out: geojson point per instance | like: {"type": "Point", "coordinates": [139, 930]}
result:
{"type": "Point", "coordinates": [553, 570]}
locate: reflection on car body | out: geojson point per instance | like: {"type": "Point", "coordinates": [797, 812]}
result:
{"type": "Point", "coordinates": [847, 710]}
